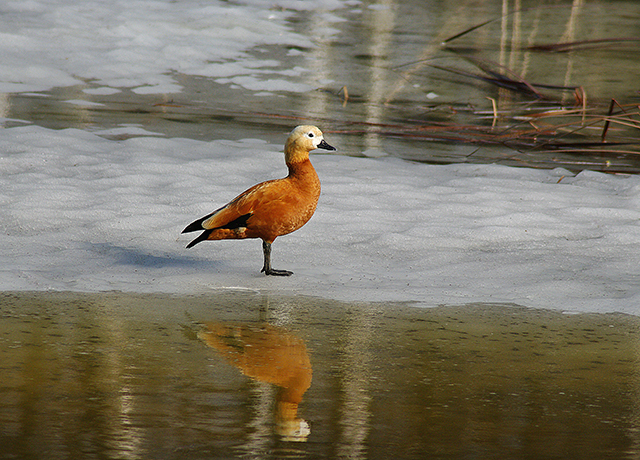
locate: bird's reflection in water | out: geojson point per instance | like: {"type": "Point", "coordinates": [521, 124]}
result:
{"type": "Point", "coordinates": [268, 354]}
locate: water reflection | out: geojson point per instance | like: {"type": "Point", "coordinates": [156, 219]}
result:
{"type": "Point", "coordinates": [136, 377]}
{"type": "Point", "coordinates": [268, 354]}
{"type": "Point", "coordinates": [404, 100]}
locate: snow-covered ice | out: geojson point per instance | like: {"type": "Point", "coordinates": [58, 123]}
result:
{"type": "Point", "coordinates": [80, 212]}
{"type": "Point", "coordinates": [139, 44]}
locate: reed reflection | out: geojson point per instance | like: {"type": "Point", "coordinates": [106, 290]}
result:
{"type": "Point", "coordinates": [268, 354]}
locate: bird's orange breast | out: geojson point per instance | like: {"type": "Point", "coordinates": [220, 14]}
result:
{"type": "Point", "coordinates": [286, 204]}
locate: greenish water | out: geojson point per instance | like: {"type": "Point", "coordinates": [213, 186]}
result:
{"type": "Point", "coordinates": [256, 375]}
{"type": "Point", "coordinates": [409, 95]}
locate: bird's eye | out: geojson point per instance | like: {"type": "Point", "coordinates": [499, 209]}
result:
{"type": "Point", "coordinates": [310, 135]}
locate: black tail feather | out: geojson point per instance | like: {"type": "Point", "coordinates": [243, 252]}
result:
{"type": "Point", "coordinates": [202, 237]}
{"type": "Point", "coordinates": [197, 226]}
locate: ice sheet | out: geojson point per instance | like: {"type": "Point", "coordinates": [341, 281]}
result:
{"type": "Point", "coordinates": [80, 212]}
{"type": "Point", "coordinates": [140, 44]}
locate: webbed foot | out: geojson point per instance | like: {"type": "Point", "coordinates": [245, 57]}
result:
{"type": "Point", "coordinates": [274, 272]}
{"type": "Point", "coordinates": [266, 247]}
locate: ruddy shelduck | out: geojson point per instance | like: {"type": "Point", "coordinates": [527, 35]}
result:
{"type": "Point", "coordinates": [268, 354]}
{"type": "Point", "coordinates": [272, 208]}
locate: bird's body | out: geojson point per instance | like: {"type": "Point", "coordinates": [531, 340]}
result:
{"type": "Point", "coordinates": [272, 208]}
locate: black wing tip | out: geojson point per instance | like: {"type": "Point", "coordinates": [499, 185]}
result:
{"type": "Point", "coordinates": [197, 224]}
{"type": "Point", "coordinates": [193, 227]}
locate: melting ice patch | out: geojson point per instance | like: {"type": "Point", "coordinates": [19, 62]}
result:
{"type": "Point", "coordinates": [80, 212]}
{"type": "Point", "coordinates": [139, 44]}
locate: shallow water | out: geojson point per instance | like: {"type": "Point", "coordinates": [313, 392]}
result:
{"type": "Point", "coordinates": [218, 376]}
{"type": "Point", "coordinates": [390, 58]}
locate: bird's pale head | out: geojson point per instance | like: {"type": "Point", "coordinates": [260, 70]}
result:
{"type": "Point", "coordinates": [302, 140]}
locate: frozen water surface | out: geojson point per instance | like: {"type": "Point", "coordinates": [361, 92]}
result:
{"type": "Point", "coordinates": [373, 72]}
{"type": "Point", "coordinates": [83, 213]}
{"type": "Point", "coordinates": [100, 206]}
{"type": "Point", "coordinates": [133, 44]}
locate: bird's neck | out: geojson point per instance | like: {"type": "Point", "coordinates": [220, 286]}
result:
{"type": "Point", "coordinates": [293, 154]}
{"type": "Point", "coordinates": [299, 167]}
{"type": "Point", "coordinates": [303, 171]}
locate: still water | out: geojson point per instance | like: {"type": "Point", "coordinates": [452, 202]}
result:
{"type": "Point", "coordinates": [386, 84]}
{"type": "Point", "coordinates": [255, 375]}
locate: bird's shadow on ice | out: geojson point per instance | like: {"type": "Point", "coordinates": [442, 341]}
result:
{"type": "Point", "coordinates": [134, 256]}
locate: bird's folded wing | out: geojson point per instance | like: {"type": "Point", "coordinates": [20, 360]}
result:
{"type": "Point", "coordinates": [244, 205]}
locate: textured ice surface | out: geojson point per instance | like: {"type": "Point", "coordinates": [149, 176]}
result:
{"type": "Point", "coordinates": [80, 212]}
{"type": "Point", "coordinates": [139, 44]}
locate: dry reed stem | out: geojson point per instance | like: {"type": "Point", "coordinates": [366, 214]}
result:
{"type": "Point", "coordinates": [495, 112]}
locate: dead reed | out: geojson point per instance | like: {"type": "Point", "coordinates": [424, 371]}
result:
{"type": "Point", "coordinates": [540, 118]}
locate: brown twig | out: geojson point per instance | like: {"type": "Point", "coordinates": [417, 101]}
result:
{"type": "Point", "coordinates": [472, 28]}
{"type": "Point", "coordinates": [607, 120]}
{"type": "Point", "coordinates": [571, 46]}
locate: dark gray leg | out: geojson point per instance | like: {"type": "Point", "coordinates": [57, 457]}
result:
{"type": "Point", "coordinates": [266, 248]}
